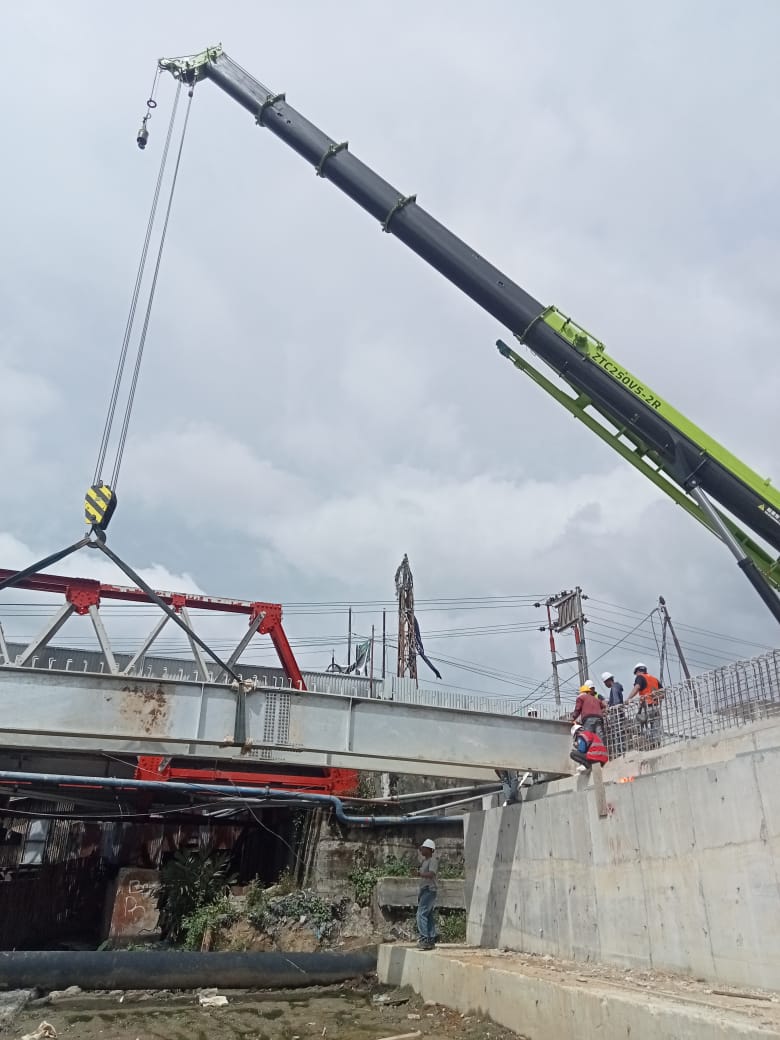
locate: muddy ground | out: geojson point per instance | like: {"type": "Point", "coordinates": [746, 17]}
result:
{"type": "Point", "coordinates": [346, 1012]}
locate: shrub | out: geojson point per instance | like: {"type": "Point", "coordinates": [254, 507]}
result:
{"type": "Point", "coordinates": [189, 882]}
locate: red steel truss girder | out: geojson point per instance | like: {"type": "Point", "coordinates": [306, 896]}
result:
{"type": "Point", "coordinates": [85, 592]}
{"type": "Point", "coordinates": [320, 781]}
{"type": "Point", "coordinates": [59, 583]}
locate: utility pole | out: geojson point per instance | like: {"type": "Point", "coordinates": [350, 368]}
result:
{"type": "Point", "coordinates": [349, 639]}
{"type": "Point", "coordinates": [554, 655]}
{"type": "Point", "coordinates": [371, 680]}
{"type": "Point", "coordinates": [404, 591]}
{"type": "Point", "coordinates": [569, 615]}
{"type": "Point", "coordinates": [667, 623]}
{"type": "Point", "coordinates": [384, 642]}
{"type": "Point", "coordinates": [407, 656]}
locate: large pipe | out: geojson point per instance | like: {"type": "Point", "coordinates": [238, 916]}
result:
{"type": "Point", "coordinates": [254, 794]}
{"type": "Point", "coordinates": [180, 969]}
{"type": "Point", "coordinates": [420, 796]}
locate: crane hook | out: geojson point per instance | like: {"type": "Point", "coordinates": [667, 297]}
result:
{"type": "Point", "coordinates": [143, 134]}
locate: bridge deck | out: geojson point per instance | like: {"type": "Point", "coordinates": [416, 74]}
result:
{"type": "Point", "coordinates": [56, 711]}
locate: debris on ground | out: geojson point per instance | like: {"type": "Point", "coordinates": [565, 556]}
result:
{"type": "Point", "coordinates": [212, 1000]}
{"type": "Point", "coordinates": [45, 1031]}
{"type": "Point", "coordinates": [11, 1003]}
{"type": "Point", "coordinates": [346, 1012]}
{"type": "Point", "coordinates": [394, 998]}
{"type": "Point", "coordinates": [63, 994]}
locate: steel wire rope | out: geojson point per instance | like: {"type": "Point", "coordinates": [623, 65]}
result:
{"type": "Point", "coordinates": [107, 427]}
{"type": "Point", "coordinates": [152, 290]}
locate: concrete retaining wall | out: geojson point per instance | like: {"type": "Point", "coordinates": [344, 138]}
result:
{"type": "Point", "coordinates": [561, 1008]}
{"type": "Point", "coordinates": [681, 875]}
{"type": "Point", "coordinates": [402, 892]}
{"type": "Point", "coordinates": [338, 852]}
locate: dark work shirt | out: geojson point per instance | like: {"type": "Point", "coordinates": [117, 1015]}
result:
{"type": "Point", "coordinates": [615, 694]}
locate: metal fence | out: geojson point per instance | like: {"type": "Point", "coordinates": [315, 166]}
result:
{"type": "Point", "coordinates": [727, 697]}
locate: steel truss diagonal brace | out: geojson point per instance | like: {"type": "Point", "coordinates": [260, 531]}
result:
{"type": "Point", "coordinates": [50, 629]}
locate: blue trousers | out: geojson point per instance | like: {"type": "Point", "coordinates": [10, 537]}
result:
{"type": "Point", "coordinates": [426, 926]}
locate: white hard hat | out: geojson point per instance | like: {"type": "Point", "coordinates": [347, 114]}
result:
{"type": "Point", "coordinates": [577, 726]}
{"type": "Point", "coordinates": [606, 675]}
{"type": "Point", "coordinates": [640, 667]}
{"type": "Point", "coordinates": [590, 684]}
{"type": "Point", "coordinates": [429, 843]}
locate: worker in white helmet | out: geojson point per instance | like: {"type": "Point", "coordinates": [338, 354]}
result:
{"type": "Point", "coordinates": [615, 716]}
{"type": "Point", "coordinates": [426, 898]}
{"type": "Point", "coordinates": [615, 689]}
{"type": "Point", "coordinates": [650, 693]}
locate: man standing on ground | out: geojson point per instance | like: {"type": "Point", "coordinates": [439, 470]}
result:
{"type": "Point", "coordinates": [510, 779]}
{"type": "Point", "coordinates": [426, 899]}
{"type": "Point", "coordinates": [589, 709]}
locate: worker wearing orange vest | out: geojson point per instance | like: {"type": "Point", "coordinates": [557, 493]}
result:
{"type": "Point", "coordinates": [588, 748]}
{"type": "Point", "coordinates": [650, 694]}
{"type": "Point", "coordinates": [647, 687]}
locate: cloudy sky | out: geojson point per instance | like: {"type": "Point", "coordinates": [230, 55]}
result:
{"type": "Point", "coordinates": [314, 401]}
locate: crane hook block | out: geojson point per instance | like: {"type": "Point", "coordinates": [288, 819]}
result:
{"type": "Point", "coordinates": [99, 506]}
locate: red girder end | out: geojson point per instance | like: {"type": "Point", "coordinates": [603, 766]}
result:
{"type": "Point", "coordinates": [331, 781]}
{"type": "Point", "coordinates": [83, 595]}
{"type": "Point", "coordinates": [272, 618]}
{"type": "Point", "coordinates": [150, 767]}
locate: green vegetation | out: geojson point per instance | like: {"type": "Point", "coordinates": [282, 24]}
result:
{"type": "Point", "coordinates": [300, 903]}
{"type": "Point", "coordinates": [451, 925]}
{"type": "Point", "coordinates": [454, 869]}
{"type": "Point", "coordinates": [191, 882]}
{"type": "Point", "coordinates": [363, 881]}
{"type": "Point", "coordinates": [364, 878]}
{"type": "Point", "coordinates": [220, 914]}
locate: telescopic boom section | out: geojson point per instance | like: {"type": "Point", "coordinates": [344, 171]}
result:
{"type": "Point", "coordinates": [691, 458]}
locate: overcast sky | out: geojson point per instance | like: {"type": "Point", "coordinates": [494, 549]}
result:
{"type": "Point", "coordinates": [314, 401]}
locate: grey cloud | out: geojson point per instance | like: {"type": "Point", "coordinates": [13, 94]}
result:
{"type": "Point", "coordinates": [618, 165]}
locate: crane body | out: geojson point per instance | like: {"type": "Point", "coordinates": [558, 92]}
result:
{"type": "Point", "coordinates": [666, 446]}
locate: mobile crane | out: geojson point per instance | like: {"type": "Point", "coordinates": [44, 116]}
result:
{"type": "Point", "coordinates": [691, 467]}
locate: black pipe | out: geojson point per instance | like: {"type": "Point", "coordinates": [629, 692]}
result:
{"type": "Point", "coordinates": [496, 293]}
{"type": "Point", "coordinates": [230, 791]}
{"type": "Point", "coordinates": [180, 969]}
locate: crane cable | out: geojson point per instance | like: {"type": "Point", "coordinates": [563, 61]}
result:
{"type": "Point", "coordinates": [100, 501]}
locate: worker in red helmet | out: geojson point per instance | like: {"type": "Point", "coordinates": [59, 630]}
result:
{"type": "Point", "coordinates": [588, 747]}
